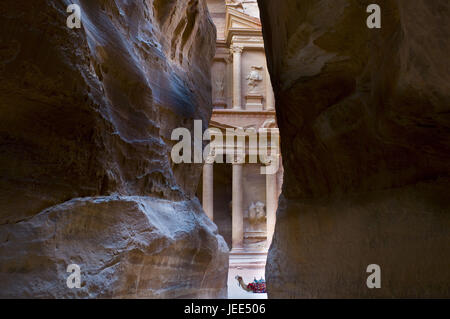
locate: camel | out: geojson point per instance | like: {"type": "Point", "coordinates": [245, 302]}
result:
{"type": "Point", "coordinates": [255, 287]}
{"type": "Point", "coordinates": [242, 283]}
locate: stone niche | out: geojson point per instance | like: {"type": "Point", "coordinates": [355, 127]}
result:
{"type": "Point", "coordinates": [219, 78]}
{"type": "Point", "coordinates": [255, 217]}
{"type": "Point", "coordinates": [254, 80]}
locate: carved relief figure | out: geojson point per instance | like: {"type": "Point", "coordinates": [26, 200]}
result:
{"type": "Point", "coordinates": [220, 85]}
{"type": "Point", "coordinates": [256, 215]}
{"type": "Point", "coordinates": [254, 78]}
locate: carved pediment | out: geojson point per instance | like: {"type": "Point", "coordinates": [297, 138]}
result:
{"type": "Point", "coordinates": [240, 23]}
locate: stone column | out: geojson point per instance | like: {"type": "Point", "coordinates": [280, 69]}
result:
{"type": "Point", "coordinates": [271, 204]}
{"type": "Point", "coordinates": [270, 98]}
{"type": "Point", "coordinates": [237, 95]}
{"type": "Point", "coordinates": [237, 208]}
{"type": "Point", "coordinates": [208, 189]}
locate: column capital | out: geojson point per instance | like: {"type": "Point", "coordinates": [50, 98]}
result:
{"type": "Point", "coordinates": [270, 164]}
{"type": "Point", "coordinates": [236, 48]}
{"type": "Point", "coordinates": [210, 159]}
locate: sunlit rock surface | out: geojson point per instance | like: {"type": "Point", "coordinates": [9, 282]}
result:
{"type": "Point", "coordinates": [86, 115]}
{"type": "Point", "coordinates": [364, 117]}
{"type": "Point", "coordinates": [134, 247]}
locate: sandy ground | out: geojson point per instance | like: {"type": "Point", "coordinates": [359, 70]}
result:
{"type": "Point", "coordinates": [248, 274]}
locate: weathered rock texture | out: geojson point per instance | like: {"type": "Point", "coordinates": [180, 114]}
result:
{"type": "Point", "coordinates": [364, 117]}
{"type": "Point", "coordinates": [133, 247]}
{"type": "Point", "coordinates": [86, 177]}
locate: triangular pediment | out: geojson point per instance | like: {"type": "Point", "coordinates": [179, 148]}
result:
{"type": "Point", "coordinates": [238, 21]}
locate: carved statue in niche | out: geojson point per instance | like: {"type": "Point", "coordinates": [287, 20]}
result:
{"type": "Point", "coordinates": [254, 78]}
{"type": "Point", "coordinates": [220, 85]}
{"type": "Point", "coordinates": [256, 216]}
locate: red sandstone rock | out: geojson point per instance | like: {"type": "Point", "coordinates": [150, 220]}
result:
{"type": "Point", "coordinates": [86, 114]}
{"type": "Point", "coordinates": [364, 122]}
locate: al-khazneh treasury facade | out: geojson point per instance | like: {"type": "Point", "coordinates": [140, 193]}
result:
{"type": "Point", "coordinates": [236, 195]}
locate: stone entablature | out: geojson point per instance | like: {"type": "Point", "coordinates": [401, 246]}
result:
{"type": "Point", "coordinates": [243, 118]}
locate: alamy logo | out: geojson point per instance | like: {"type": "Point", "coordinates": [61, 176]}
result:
{"type": "Point", "coordinates": [374, 19]}
{"type": "Point", "coordinates": [74, 20]}
{"type": "Point", "coordinates": [237, 145]}
{"type": "Point", "coordinates": [374, 280]}
{"type": "Point", "coordinates": [74, 279]}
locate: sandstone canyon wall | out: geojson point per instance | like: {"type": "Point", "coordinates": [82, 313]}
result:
{"type": "Point", "coordinates": [86, 178]}
{"type": "Point", "coordinates": [364, 117]}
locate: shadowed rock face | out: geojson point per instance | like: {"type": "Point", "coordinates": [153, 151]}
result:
{"type": "Point", "coordinates": [86, 117]}
{"type": "Point", "coordinates": [364, 117]}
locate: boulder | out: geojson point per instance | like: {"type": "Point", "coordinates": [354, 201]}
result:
{"type": "Point", "coordinates": [125, 246]}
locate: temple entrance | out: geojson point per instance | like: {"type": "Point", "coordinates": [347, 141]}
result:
{"type": "Point", "coordinates": [247, 226]}
{"type": "Point", "coordinates": [242, 181]}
